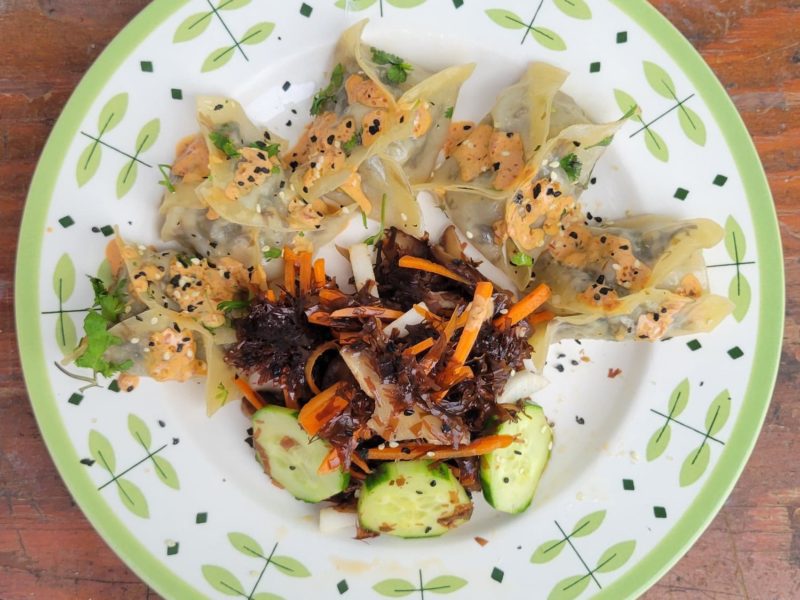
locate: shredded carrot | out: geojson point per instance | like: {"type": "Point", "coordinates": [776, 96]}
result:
{"type": "Point", "coordinates": [271, 296]}
{"type": "Point", "coordinates": [289, 259]}
{"type": "Point", "coordinates": [477, 315]}
{"type": "Point", "coordinates": [330, 463]}
{"type": "Point", "coordinates": [319, 273]}
{"type": "Point", "coordinates": [439, 347]}
{"type": "Point", "coordinates": [418, 347]}
{"type": "Point", "coordinates": [422, 264]}
{"type": "Point", "coordinates": [367, 311]}
{"type": "Point", "coordinates": [412, 451]}
{"type": "Point", "coordinates": [328, 295]}
{"type": "Point", "coordinates": [357, 461]}
{"type": "Point", "coordinates": [305, 272]}
{"type": "Point", "coordinates": [433, 319]}
{"type": "Point", "coordinates": [524, 307]}
{"type": "Point", "coordinates": [312, 359]}
{"type": "Point", "coordinates": [320, 318]}
{"type": "Point", "coordinates": [249, 393]}
{"type": "Point", "coordinates": [321, 409]}
{"type": "Point", "coordinates": [541, 317]}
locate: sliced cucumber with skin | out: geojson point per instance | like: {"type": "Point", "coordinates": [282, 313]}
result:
{"type": "Point", "coordinates": [291, 458]}
{"type": "Point", "coordinates": [412, 499]}
{"type": "Point", "coordinates": [510, 475]}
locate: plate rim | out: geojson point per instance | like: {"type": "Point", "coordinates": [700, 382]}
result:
{"type": "Point", "coordinates": [648, 569]}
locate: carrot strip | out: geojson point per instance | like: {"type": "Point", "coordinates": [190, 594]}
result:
{"type": "Point", "coordinates": [289, 259]}
{"type": "Point", "coordinates": [305, 272]}
{"type": "Point", "coordinates": [418, 347]}
{"type": "Point", "coordinates": [249, 393]}
{"type": "Point", "coordinates": [411, 451]}
{"type": "Point", "coordinates": [436, 352]}
{"type": "Point", "coordinates": [524, 307]}
{"type": "Point", "coordinates": [357, 461]}
{"type": "Point", "coordinates": [477, 314]}
{"type": "Point", "coordinates": [367, 311]}
{"type": "Point", "coordinates": [541, 317]}
{"type": "Point", "coordinates": [321, 409]}
{"type": "Point", "coordinates": [422, 264]}
{"type": "Point", "coordinates": [319, 272]}
{"type": "Point", "coordinates": [311, 361]}
{"type": "Point", "coordinates": [320, 318]}
{"type": "Point", "coordinates": [433, 319]}
{"type": "Point", "coordinates": [330, 463]}
{"type": "Point", "coordinates": [328, 295]}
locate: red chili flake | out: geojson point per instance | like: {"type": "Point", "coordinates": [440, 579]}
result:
{"type": "Point", "coordinates": [481, 541]}
{"type": "Point", "coordinates": [612, 373]}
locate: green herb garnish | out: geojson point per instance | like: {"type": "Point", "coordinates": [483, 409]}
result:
{"type": "Point", "coordinates": [275, 170]}
{"type": "Point", "coordinates": [606, 141]}
{"type": "Point", "coordinates": [398, 69]}
{"type": "Point", "coordinates": [271, 149]}
{"type": "Point", "coordinates": [110, 301]}
{"type": "Point", "coordinates": [272, 253]}
{"type": "Point", "coordinates": [328, 94]}
{"type": "Point", "coordinates": [165, 174]}
{"type": "Point", "coordinates": [351, 144]}
{"type": "Point", "coordinates": [374, 239]}
{"type": "Point", "coordinates": [184, 260]}
{"type": "Point", "coordinates": [572, 166]}
{"type": "Point", "coordinates": [223, 143]}
{"type": "Point", "coordinates": [521, 260]}
{"type": "Point", "coordinates": [448, 114]}
{"type": "Point", "coordinates": [229, 305]}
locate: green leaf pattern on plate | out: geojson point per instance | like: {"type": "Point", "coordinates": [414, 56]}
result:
{"type": "Point", "coordinates": [290, 566]}
{"type": "Point", "coordinates": [245, 544]}
{"type": "Point", "coordinates": [64, 286]}
{"type": "Point", "coordinates": [577, 9]}
{"type": "Point", "coordinates": [547, 551]}
{"type": "Point", "coordinates": [570, 587]}
{"type": "Point", "coordinates": [102, 451]}
{"type": "Point", "coordinates": [394, 588]}
{"type": "Point", "coordinates": [445, 584]}
{"type": "Point", "coordinates": [739, 291]}
{"type": "Point", "coordinates": [110, 116]}
{"type": "Point", "coordinates": [223, 580]}
{"type": "Point", "coordinates": [139, 430]}
{"type": "Point", "coordinates": [615, 557]}
{"type": "Point", "coordinates": [399, 588]}
{"type": "Point", "coordinates": [589, 524]}
{"type": "Point", "coordinates": [166, 472]}
{"type": "Point", "coordinates": [544, 36]}
{"type": "Point", "coordinates": [658, 442]}
{"type": "Point", "coordinates": [132, 497]}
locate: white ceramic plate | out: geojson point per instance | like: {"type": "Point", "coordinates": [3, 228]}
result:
{"type": "Point", "coordinates": [642, 461]}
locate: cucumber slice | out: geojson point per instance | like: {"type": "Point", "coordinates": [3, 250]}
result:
{"type": "Point", "coordinates": [412, 499]}
{"type": "Point", "coordinates": [291, 458]}
{"type": "Point", "coordinates": [510, 475]}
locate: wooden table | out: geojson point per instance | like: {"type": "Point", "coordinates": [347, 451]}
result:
{"type": "Point", "coordinates": [48, 549]}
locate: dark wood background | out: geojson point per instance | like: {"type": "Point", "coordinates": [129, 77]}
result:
{"type": "Point", "coordinates": [48, 549]}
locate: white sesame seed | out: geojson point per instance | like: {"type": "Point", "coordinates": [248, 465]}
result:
{"type": "Point", "coordinates": [134, 340]}
{"type": "Point", "coordinates": [142, 247]}
{"type": "Point", "coordinates": [555, 164]}
{"type": "Point", "coordinates": [393, 444]}
{"type": "Point", "coordinates": [258, 208]}
{"type": "Point", "coordinates": [382, 447]}
{"type": "Point", "coordinates": [195, 261]}
{"type": "Point", "coordinates": [430, 453]}
{"type": "Point", "coordinates": [470, 235]}
{"type": "Point", "coordinates": [154, 320]}
{"type": "Point", "coordinates": [146, 350]}
{"type": "Point", "coordinates": [189, 354]}
{"type": "Point", "coordinates": [128, 308]}
{"type": "Point", "coordinates": [505, 153]}
{"type": "Point", "coordinates": [166, 356]}
{"type": "Point", "coordinates": [404, 216]}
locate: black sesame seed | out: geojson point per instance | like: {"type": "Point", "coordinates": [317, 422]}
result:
{"type": "Point", "coordinates": [537, 189]}
{"type": "Point", "coordinates": [433, 483]}
{"type": "Point", "coordinates": [573, 235]}
{"type": "Point", "coordinates": [560, 368]}
{"type": "Point", "coordinates": [331, 139]}
{"type": "Point", "coordinates": [506, 479]}
{"type": "Point", "coordinates": [218, 107]}
{"type": "Point", "coordinates": [496, 166]}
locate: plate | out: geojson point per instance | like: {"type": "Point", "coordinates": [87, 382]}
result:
{"type": "Point", "coordinates": [650, 439]}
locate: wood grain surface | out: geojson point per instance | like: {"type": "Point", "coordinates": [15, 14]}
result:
{"type": "Point", "coordinates": [49, 550]}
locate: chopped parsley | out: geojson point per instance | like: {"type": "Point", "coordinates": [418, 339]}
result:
{"type": "Point", "coordinates": [448, 114]}
{"type": "Point", "coordinates": [328, 94]}
{"type": "Point", "coordinates": [272, 253]}
{"type": "Point", "coordinates": [229, 305]}
{"type": "Point", "coordinates": [521, 260]}
{"type": "Point", "coordinates": [374, 239]}
{"type": "Point", "coordinates": [397, 70]}
{"type": "Point", "coordinates": [223, 143]}
{"type": "Point", "coordinates": [351, 144]}
{"type": "Point", "coordinates": [572, 166]}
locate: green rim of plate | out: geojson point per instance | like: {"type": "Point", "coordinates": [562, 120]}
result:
{"type": "Point", "coordinates": [635, 580]}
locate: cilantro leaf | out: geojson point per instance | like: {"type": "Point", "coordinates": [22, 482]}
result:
{"type": "Point", "coordinates": [572, 166]}
{"type": "Point", "coordinates": [521, 260]}
{"type": "Point", "coordinates": [223, 143]}
{"type": "Point", "coordinates": [166, 182]}
{"type": "Point", "coordinates": [111, 301]}
{"type": "Point", "coordinates": [98, 340]}
{"type": "Point", "coordinates": [374, 239]}
{"type": "Point", "coordinates": [398, 69]}
{"type": "Point", "coordinates": [271, 149]}
{"type": "Point", "coordinates": [328, 94]}
{"type": "Point", "coordinates": [448, 114]}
